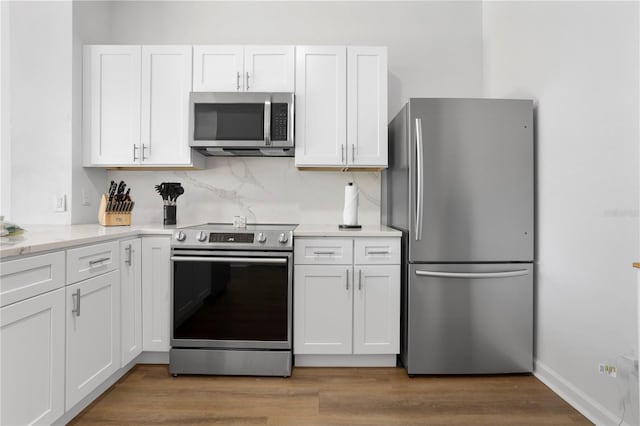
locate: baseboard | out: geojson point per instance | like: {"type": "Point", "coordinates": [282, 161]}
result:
{"type": "Point", "coordinates": [345, 360]}
{"type": "Point", "coordinates": [582, 402]}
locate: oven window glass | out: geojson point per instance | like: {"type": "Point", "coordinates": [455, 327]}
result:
{"type": "Point", "coordinates": [230, 301]}
{"type": "Point", "coordinates": [229, 122]}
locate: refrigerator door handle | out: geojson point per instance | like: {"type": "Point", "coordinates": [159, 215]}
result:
{"type": "Point", "coordinates": [419, 178]}
{"type": "Point", "coordinates": [502, 274]}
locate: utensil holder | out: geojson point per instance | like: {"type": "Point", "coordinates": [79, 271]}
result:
{"type": "Point", "coordinates": [169, 215]}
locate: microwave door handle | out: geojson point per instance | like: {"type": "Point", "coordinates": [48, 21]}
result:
{"type": "Point", "coordinates": [267, 121]}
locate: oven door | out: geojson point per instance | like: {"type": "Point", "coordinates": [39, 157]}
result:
{"type": "Point", "coordinates": [227, 299]}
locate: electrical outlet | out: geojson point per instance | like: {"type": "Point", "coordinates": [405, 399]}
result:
{"type": "Point", "coordinates": [85, 198]}
{"type": "Point", "coordinates": [60, 203]}
{"type": "Point", "coordinates": [608, 370]}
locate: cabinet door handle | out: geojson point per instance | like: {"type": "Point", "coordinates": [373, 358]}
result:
{"type": "Point", "coordinates": [342, 153]}
{"type": "Point", "coordinates": [353, 152]}
{"type": "Point", "coordinates": [347, 279]}
{"type": "Point", "coordinates": [135, 147]}
{"type": "Point", "coordinates": [128, 251]}
{"type": "Point", "coordinates": [144, 149]}
{"type": "Point", "coordinates": [247, 88]}
{"type": "Point", "coordinates": [92, 263]}
{"type": "Point", "coordinates": [76, 303]}
{"type": "Point", "coordinates": [238, 80]}
{"type": "Point", "coordinates": [360, 279]}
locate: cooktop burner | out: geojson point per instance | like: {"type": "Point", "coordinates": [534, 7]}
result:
{"type": "Point", "coordinates": [219, 236]}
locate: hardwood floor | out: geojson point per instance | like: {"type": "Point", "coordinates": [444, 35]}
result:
{"type": "Point", "coordinates": [328, 396]}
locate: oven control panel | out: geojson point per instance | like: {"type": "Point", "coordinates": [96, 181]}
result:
{"type": "Point", "coordinates": [216, 237]}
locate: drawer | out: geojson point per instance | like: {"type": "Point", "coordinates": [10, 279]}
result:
{"type": "Point", "coordinates": [89, 261]}
{"type": "Point", "coordinates": [28, 277]}
{"type": "Point", "coordinates": [323, 251]}
{"type": "Point", "coordinates": [377, 251]}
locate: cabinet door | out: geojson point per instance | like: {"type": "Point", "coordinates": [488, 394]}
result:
{"type": "Point", "coordinates": [321, 101]}
{"type": "Point", "coordinates": [130, 300]}
{"type": "Point", "coordinates": [323, 298]}
{"type": "Point", "coordinates": [269, 68]}
{"type": "Point", "coordinates": [156, 287]}
{"type": "Point", "coordinates": [376, 309]}
{"type": "Point", "coordinates": [218, 68]}
{"type": "Point", "coordinates": [111, 123]}
{"type": "Point", "coordinates": [367, 106]}
{"type": "Point", "coordinates": [166, 83]}
{"type": "Point", "coordinates": [93, 334]}
{"type": "Point", "coordinates": [32, 360]}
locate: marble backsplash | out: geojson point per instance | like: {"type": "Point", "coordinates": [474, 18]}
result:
{"type": "Point", "coordinates": [265, 190]}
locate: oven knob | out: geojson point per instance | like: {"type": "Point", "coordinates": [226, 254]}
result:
{"type": "Point", "coordinates": [202, 236]}
{"type": "Point", "coordinates": [283, 238]}
{"type": "Point", "coordinates": [261, 238]}
{"type": "Point", "coordinates": [180, 236]}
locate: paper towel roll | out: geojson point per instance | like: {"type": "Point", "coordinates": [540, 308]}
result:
{"type": "Point", "coordinates": [350, 213]}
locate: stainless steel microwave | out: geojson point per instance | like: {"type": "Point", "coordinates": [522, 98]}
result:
{"type": "Point", "coordinates": [245, 123]}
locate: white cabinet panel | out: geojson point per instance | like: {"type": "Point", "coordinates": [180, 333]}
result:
{"type": "Point", "coordinates": [269, 68]}
{"type": "Point", "coordinates": [156, 287]}
{"type": "Point", "coordinates": [322, 309]}
{"type": "Point", "coordinates": [93, 334]}
{"type": "Point", "coordinates": [89, 261]}
{"type": "Point", "coordinates": [367, 106]}
{"type": "Point", "coordinates": [377, 251]}
{"type": "Point", "coordinates": [166, 83]}
{"type": "Point", "coordinates": [376, 309]}
{"type": "Point", "coordinates": [218, 68]}
{"type": "Point", "coordinates": [323, 251]}
{"type": "Point", "coordinates": [321, 103]}
{"type": "Point", "coordinates": [24, 278]}
{"type": "Point", "coordinates": [130, 300]}
{"type": "Point", "coordinates": [32, 335]}
{"type": "Point", "coordinates": [111, 119]}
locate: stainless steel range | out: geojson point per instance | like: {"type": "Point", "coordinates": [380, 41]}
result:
{"type": "Point", "coordinates": [231, 304]}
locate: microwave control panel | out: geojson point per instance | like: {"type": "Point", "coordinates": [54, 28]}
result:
{"type": "Point", "coordinates": [279, 121]}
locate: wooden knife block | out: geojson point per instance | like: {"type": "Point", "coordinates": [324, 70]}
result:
{"type": "Point", "coordinates": [112, 218]}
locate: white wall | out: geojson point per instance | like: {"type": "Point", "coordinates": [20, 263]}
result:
{"type": "Point", "coordinates": [40, 108]}
{"type": "Point", "coordinates": [579, 61]}
{"type": "Point", "coordinates": [435, 49]}
{"type": "Point", "coordinates": [5, 120]}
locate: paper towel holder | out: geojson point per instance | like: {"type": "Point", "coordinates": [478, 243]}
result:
{"type": "Point", "coordinates": [347, 220]}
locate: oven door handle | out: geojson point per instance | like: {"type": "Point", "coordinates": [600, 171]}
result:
{"type": "Point", "coordinates": [275, 260]}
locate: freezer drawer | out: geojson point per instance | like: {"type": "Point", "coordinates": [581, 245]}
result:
{"type": "Point", "coordinates": [469, 318]}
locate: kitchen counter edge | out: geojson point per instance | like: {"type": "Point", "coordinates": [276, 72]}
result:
{"type": "Point", "coordinates": [332, 230]}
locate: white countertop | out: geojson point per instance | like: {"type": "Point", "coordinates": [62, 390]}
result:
{"type": "Point", "coordinates": [332, 230]}
{"type": "Point", "coordinates": [41, 238]}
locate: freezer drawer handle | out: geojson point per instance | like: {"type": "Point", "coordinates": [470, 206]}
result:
{"type": "Point", "coordinates": [505, 274]}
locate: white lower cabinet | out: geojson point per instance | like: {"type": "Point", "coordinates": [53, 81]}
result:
{"type": "Point", "coordinates": [348, 309]}
{"type": "Point", "coordinates": [322, 309]}
{"type": "Point", "coordinates": [130, 300]}
{"type": "Point", "coordinates": [32, 360]}
{"type": "Point", "coordinates": [156, 297]}
{"type": "Point", "coordinates": [93, 334]}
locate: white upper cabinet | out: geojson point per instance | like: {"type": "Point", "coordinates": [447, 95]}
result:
{"type": "Point", "coordinates": [166, 83]}
{"type": "Point", "coordinates": [243, 69]}
{"type": "Point", "coordinates": [341, 106]}
{"type": "Point", "coordinates": [111, 122]}
{"type": "Point", "coordinates": [367, 106]}
{"type": "Point", "coordinates": [136, 106]}
{"type": "Point", "coordinates": [321, 104]}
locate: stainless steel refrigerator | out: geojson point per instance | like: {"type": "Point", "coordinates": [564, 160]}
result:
{"type": "Point", "coordinates": [460, 185]}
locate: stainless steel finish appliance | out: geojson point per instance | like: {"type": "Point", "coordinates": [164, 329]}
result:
{"type": "Point", "coordinates": [242, 124]}
{"type": "Point", "coordinates": [460, 185]}
{"type": "Point", "coordinates": [231, 300]}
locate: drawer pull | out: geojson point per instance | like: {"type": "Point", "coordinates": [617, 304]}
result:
{"type": "Point", "coordinates": [324, 252]}
{"type": "Point", "coordinates": [378, 252]}
{"type": "Point", "coordinates": [98, 261]}
{"type": "Point", "coordinates": [76, 299]}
